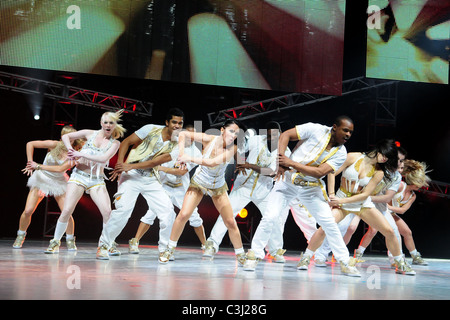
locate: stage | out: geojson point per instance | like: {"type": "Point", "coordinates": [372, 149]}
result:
{"type": "Point", "coordinates": [29, 274]}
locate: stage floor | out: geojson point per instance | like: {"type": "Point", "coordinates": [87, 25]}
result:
{"type": "Point", "coordinates": [30, 274]}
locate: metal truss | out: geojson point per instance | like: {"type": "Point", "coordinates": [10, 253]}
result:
{"type": "Point", "coordinates": [73, 95]}
{"type": "Point", "coordinates": [296, 100]}
{"type": "Point", "coordinates": [437, 188]}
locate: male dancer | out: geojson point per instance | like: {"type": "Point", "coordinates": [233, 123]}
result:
{"type": "Point", "coordinates": [152, 146]}
{"type": "Point", "coordinates": [320, 150]}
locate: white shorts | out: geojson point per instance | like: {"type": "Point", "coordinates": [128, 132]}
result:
{"type": "Point", "coordinates": [85, 180]}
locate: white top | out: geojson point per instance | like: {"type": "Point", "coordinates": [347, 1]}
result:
{"type": "Point", "coordinates": [172, 179]}
{"type": "Point", "coordinates": [211, 177]}
{"type": "Point", "coordinates": [310, 150]}
{"type": "Point", "coordinates": [259, 154]}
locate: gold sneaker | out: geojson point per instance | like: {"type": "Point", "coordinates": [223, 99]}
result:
{"type": "Point", "coordinates": [241, 258]}
{"type": "Point", "coordinates": [304, 262]}
{"type": "Point", "coordinates": [278, 256]}
{"type": "Point", "coordinates": [133, 246]}
{"type": "Point", "coordinates": [19, 241]}
{"type": "Point", "coordinates": [358, 256]}
{"type": "Point", "coordinates": [418, 260]}
{"type": "Point", "coordinates": [102, 253]}
{"type": "Point", "coordinates": [402, 267]}
{"type": "Point", "coordinates": [113, 251]}
{"type": "Point", "coordinates": [209, 251]}
{"type": "Point", "coordinates": [251, 261]}
{"type": "Point", "coordinates": [71, 246]}
{"type": "Point", "coordinates": [53, 246]}
{"type": "Point", "coordinates": [349, 269]}
{"type": "Point", "coordinates": [166, 255]}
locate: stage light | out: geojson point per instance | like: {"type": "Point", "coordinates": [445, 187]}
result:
{"type": "Point", "coordinates": [243, 213]}
{"type": "Point", "coordinates": [398, 144]}
{"type": "Point", "coordinates": [36, 117]}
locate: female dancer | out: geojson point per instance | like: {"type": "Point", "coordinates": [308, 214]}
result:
{"type": "Point", "coordinates": [361, 173]}
{"type": "Point", "coordinates": [88, 174]}
{"type": "Point", "coordinates": [415, 175]}
{"type": "Point", "coordinates": [47, 179]}
{"type": "Point", "coordinates": [209, 178]}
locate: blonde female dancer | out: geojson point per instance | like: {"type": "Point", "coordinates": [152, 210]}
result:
{"type": "Point", "coordinates": [88, 176]}
{"type": "Point", "coordinates": [47, 179]}
{"type": "Point", "coordinates": [415, 175]}
{"type": "Point", "coordinates": [361, 173]}
{"type": "Point", "coordinates": [209, 179]}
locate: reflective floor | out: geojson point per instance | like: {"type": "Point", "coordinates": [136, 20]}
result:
{"type": "Point", "coordinates": [28, 274]}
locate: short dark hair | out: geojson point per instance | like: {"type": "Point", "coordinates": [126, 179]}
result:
{"type": "Point", "coordinates": [338, 120]}
{"type": "Point", "coordinates": [174, 112]}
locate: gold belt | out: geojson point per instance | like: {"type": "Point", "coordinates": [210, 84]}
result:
{"type": "Point", "coordinates": [173, 185]}
{"type": "Point", "coordinates": [300, 182]}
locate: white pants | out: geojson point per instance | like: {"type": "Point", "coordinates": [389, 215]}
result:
{"type": "Point", "coordinates": [285, 194]}
{"type": "Point", "coordinates": [239, 198]}
{"type": "Point", "coordinates": [304, 220]}
{"type": "Point", "coordinates": [131, 184]}
{"type": "Point", "coordinates": [176, 195]}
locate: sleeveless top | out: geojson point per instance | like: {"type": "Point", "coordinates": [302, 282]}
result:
{"type": "Point", "coordinates": [90, 148]}
{"type": "Point", "coordinates": [353, 183]}
{"type": "Point", "coordinates": [399, 198]}
{"type": "Point", "coordinates": [210, 177]}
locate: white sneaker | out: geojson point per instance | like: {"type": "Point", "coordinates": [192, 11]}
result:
{"type": "Point", "coordinates": [320, 263]}
{"type": "Point", "coordinates": [349, 269]}
{"type": "Point", "coordinates": [113, 251]}
{"type": "Point", "coordinates": [251, 262]}
{"type": "Point", "coordinates": [133, 246]}
{"type": "Point", "coordinates": [278, 256]}
{"type": "Point", "coordinates": [19, 241]}
{"type": "Point", "coordinates": [209, 251]}
{"type": "Point", "coordinates": [303, 264]}
{"type": "Point", "coordinates": [165, 256]}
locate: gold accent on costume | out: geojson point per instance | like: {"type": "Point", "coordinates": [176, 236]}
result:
{"type": "Point", "coordinates": [211, 192]}
{"type": "Point", "coordinates": [298, 175]}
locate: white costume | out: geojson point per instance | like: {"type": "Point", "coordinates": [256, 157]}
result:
{"type": "Point", "coordinates": [381, 188]}
{"type": "Point", "coordinates": [49, 183]}
{"type": "Point", "coordinates": [176, 186]}
{"type": "Point", "coordinates": [250, 187]}
{"type": "Point", "coordinates": [145, 182]}
{"type": "Point", "coordinates": [307, 190]}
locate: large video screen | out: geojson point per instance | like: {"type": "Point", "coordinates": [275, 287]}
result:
{"type": "Point", "coordinates": [287, 45]}
{"type": "Point", "coordinates": [409, 40]}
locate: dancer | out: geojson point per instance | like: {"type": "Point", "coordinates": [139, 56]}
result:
{"type": "Point", "coordinates": [415, 176]}
{"type": "Point", "coordinates": [361, 173]}
{"type": "Point", "coordinates": [152, 145]}
{"type": "Point", "coordinates": [319, 151]}
{"type": "Point", "coordinates": [88, 175]}
{"type": "Point", "coordinates": [253, 183]}
{"type": "Point", "coordinates": [47, 179]}
{"type": "Point", "coordinates": [384, 192]}
{"type": "Point", "coordinates": [176, 182]}
{"type": "Point", "coordinates": [209, 179]}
